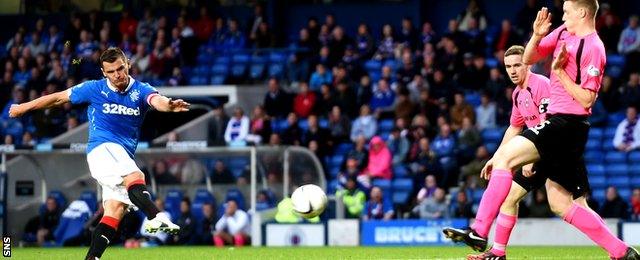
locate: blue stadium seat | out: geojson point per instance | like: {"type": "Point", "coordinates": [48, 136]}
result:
{"type": "Point", "coordinates": [613, 119]}
{"type": "Point", "coordinates": [336, 160]}
{"type": "Point", "coordinates": [224, 60]}
{"type": "Point", "coordinates": [491, 147]}
{"type": "Point", "coordinates": [635, 181]}
{"type": "Point", "coordinates": [220, 69]}
{"type": "Point", "coordinates": [385, 125]}
{"type": "Point", "coordinates": [256, 71]}
{"type": "Point", "coordinates": [492, 63]}
{"type": "Point", "coordinates": [59, 197]}
{"type": "Point", "coordinates": [595, 169]}
{"type": "Point", "coordinates": [283, 124]}
{"type": "Point", "coordinates": [324, 123]}
{"type": "Point", "coordinates": [236, 194]}
{"type": "Point", "coordinates": [201, 197]}
{"type": "Point", "coordinates": [201, 71]}
{"type": "Point", "coordinates": [618, 169]}
{"type": "Point", "coordinates": [240, 58]}
{"type": "Point", "coordinates": [473, 99]}
{"type": "Point", "coordinates": [615, 157]}
{"type": "Point", "coordinates": [203, 58]}
{"type": "Point", "coordinates": [634, 169]}
{"type": "Point", "coordinates": [403, 184]}
{"type": "Point", "coordinates": [303, 124]}
{"type": "Point", "coordinates": [477, 195]}
{"type": "Point", "coordinates": [400, 197]}
{"type": "Point", "coordinates": [237, 70]}
{"type": "Point", "coordinates": [344, 148]}
{"type": "Point", "coordinates": [599, 181]}
{"type": "Point", "coordinates": [624, 193]}
{"type": "Point", "coordinates": [384, 135]}
{"type": "Point", "coordinates": [374, 75]}
{"type": "Point", "coordinates": [607, 145]}
{"type": "Point", "coordinates": [609, 133]}
{"type": "Point", "coordinates": [392, 63]}
{"type": "Point", "coordinates": [493, 135]}
{"type": "Point", "coordinates": [634, 157]}
{"type": "Point", "coordinates": [599, 194]}
{"type": "Point", "coordinates": [217, 79]}
{"type": "Point", "coordinates": [331, 188]}
{"type": "Point", "coordinates": [373, 65]}
{"type": "Point", "coordinates": [236, 164]}
{"type": "Point", "coordinates": [399, 171]}
{"type": "Point", "coordinates": [172, 202]}
{"type": "Point", "coordinates": [615, 59]}
{"type": "Point", "coordinates": [276, 70]}
{"type": "Point", "coordinates": [614, 71]}
{"type": "Point", "coordinates": [385, 185]}
{"type": "Point", "coordinates": [618, 181]}
{"type": "Point", "coordinates": [258, 59]}
{"type": "Point", "coordinates": [277, 57]}
{"type": "Point", "coordinates": [91, 199]}
{"type": "Point", "coordinates": [334, 171]}
{"type": "Point", "coordinates": [593, 144]}
{"type": "Point", "coordinates": [596, 133]}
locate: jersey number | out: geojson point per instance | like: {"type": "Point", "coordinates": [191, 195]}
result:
{"type": "Point", "coordinates": [536, 129]}
{"type": "Point", "coordinates": [544, 103]}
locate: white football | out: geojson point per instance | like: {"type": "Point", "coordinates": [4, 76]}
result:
{"type": "Point", "coordinates": [309, 201]}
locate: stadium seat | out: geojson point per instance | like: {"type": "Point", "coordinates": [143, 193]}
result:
{"type": "Point", "coordinates": [595, 169]}
{"type": "Point", "coordinates": [237, 70]}
{"type": "Point", "coordinates": [635, 181]}
{"type": "Point", "coordinates": [324, 123]}
{"type": "Point", "coordinates": [220, 69]}
{"type": "Point", "coordinates": [336, 160]}
{"type": "Point", "coordinates": [277, 57]}
{"type": "Point", "coordinates": [240, 58]}
{"type": "Point", "coordinates": [385, 185]}
{"type": "Point", "coordinates": [303, 124]}
{"type": "Point", "coordinates": [493, 135]}
{"type": "Point", "coordinates": [599, 181]}
{"type": "Point", "coordinates": [258, 59]}
{"type": "Point", "coordinates": [344, 148]}
{"type": "Point", "coordinates": [616, 60]}
{"type": "Point", "coordinates": [618, 181]}
{"type": "Point", "coordinates": [400, 197]}
{"type": "Point", "coordinates": [615, 157]}
{"type": "Point", "coordinates": [172, 202]}
{"type": "Point", "coordinates": [596, 133]}
{"type": "Point", "coordinates": [613, 119]}
{"type": "Point", "coordinates": [618, 169]}
{"type": "Point", "coordinates": [634, 157]}
{"type": "Point", "coordinates": [373, 65]}
{"type": "Point", "coordinates": [203, 58]}
{"type": "Point", "coordinates": [477, 195]}
{"type": "Point", "coordinates": [473, 99]}
{"type": "Point", "coordinates": [332, 187]}
{"type": "Point", "coordinates": [402, 184]}
{"type": "Point", "coordinates": [59, 197]}
{"type": "Point", "coordinates": [609, 132]}
{"type": "Point", "coordinates": [276, 70]}
{"type": "Point", "coordinates": [90, 198]}
{"type": "Point", "coordinates": [607, 145]}
{"type": "Point", "coordinates": [236, 194]}
{"type": "Point", "coordinates": [593, 144]}
{"type": "Point", "coordinates": [492, 63]}
{"type": "Point", "coordinates": [223, 60]}
{"type": "Point", "coordinates": [614, 71]}
{"type": "Point", "coordinates": [491, 147]}
{"type": "Point", "coordinates": [624, 193]}
{"type": "Point", "coordinates": [201, 197]}
{"type": "Point", "coordinates": [385, 125]}
{"type": "Point", "coordinates": [634, 169]}
{"type": "Point", "coordinates": [256, 71]}
{"type": "Point", "coordinates": [217, 79]}
{"type": "Point", "coordinates": [392, 63]}
{"type": "Point", "coordinates": [399, 171]}
{"type": "Point", "coordinates": [334, 171]}
{"type": "Point", "coordinates": [599, 194]}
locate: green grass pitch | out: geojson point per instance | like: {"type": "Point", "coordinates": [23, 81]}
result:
{"type": "Point", "coordinates": [289, 253]}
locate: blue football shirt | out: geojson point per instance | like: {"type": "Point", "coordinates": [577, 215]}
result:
{"type": "Point", "coordinates": [114, 117]}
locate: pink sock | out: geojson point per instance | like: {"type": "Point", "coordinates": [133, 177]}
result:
{"type": "Point", "coordinates": [218, 241]}
{"type": "Point", "coordinates": [504, 225]}
{"type": "Point", "coordinates": [594, 227]}
{"type": "Point", "coordinates": [492, 198]}
{"type": "Point", "coordinates": [239, 240]}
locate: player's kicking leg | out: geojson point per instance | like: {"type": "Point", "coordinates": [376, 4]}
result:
{"type": "Point", "coordinates": [515, 153]}
{"type": "Point", "coordinates": [105, 232]}
{"type": "Point", "coordinates": [139, 196]}
{"type": "Point", "coordinates": [587, 221]}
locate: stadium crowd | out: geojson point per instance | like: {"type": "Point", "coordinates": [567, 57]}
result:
{"type": "Point", "coordinates": [406, 103]}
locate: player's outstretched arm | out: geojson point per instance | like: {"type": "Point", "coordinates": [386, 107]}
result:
{"type": "Point", "coordinates": [165, 104]}
{"type": "Point", "coordinates": [47, 101]}
{"type": "Point", "coordinates": [541, 27]}
{"type": "Point", "coordinates": [585, 97]}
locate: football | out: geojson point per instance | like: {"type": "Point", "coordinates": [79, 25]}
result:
{"type": "Point", "coordinates": [309, 201]}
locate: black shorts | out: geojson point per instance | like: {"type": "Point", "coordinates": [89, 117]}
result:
{"type": "Point", "coordinates": [560, 141]}
{"type": "Point", "coordinates": [534, 182]}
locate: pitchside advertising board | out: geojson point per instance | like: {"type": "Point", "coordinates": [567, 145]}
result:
{"type": "Point", "coordinates": [407, 232]}
{"type": "Point", "coordinates": [295, 235]}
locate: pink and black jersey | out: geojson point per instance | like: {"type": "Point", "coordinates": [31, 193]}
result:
{"type": "Point", "coordinates": [530, 102]}
{"type": "Point", "coordinates": [589, 52]}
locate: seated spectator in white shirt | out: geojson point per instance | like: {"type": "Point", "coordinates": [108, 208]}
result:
{"type": "Point", "coordinates": [233, 227]}
{"type": "Point", "coordinates": [486, 113]}
{"type": "Point", "coordinates": [627, 136]}
{"type": "Point", "coordinates": [237, 128]}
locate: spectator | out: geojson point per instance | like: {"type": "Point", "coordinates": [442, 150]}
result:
{"type": "Point", "coordinates": [49, 219]}
{"type": "Point", "coordinates": [203, 27]}
{"type": "Point", "coordinates": [614, 206]}
{"type": "Point", "coordinates": [365, 125]}
{"type": "Point", "coordinates": [505, 37]}
{"type": "Point", "coordinates": [404, 107]}
{"type": "Point", "coordinates": [378, 207]}
{"type": "Point", "coordinates": [408, 35]}
{"type": "Point", "coordinates": [207, 225]}
{"type": "Point", "coordinates": [635, 204]}
{"type": "Point", "coordinates": [217, 127]}
{"type": "Point", "coordinates": [141, 58]}
{"type": "Point", "coordinates": [387, 44]}
{"type": "Point", "coordinates": [609, 33]}
{"type": "Point", "coordinates": [351, 171]}
{"type": "Point", "coordinates": [468, 139]}
{"type": "Point", "coordinates": [292, 135]}
{"type": "Point", "coordinates": [128, 24]}
{"type": "Point", "coordinates": [360, 153]}
{"type": "Point", "coordinates": [629, 44]}
{"type": "Point", "coordinates": [162, 175]}
{"type": "Point", "coordinates": [260, 129]}
{"type": "Point", "coordinates": [146, 28]}
{"type": "Point", "coordinates": [444, 147]}
{"type": "Point", "coordinates": [472, 169]}
{"type": "Point", "coordinates": [237, 128]}
{"type": "Point", "coordinates": [364, 42]}
{"type": "Point", "coordinates": [344, 97]}
{"type": "Point", "coordinates": [221, 174]}
{"type": "Point", "coordinates": [472, 12]}
{"type": "Point", "coordinates": [398, 146]}
{"type": "Point", "coordinates": [234, 39]}
{"type": "Point", "coordinates": [383, 97]}
{"type": "Point", "coordinates": [423, 159]}
{"type": "Point", "coordinates": [539, 207]}
{"type": "Point", "coordinates": [316, 133]}
{"type": "Point", "coordinates": [276, 101]}
{"type": "Point", "coordinates": [379, 165]}
{"type": "Point", "coordinates": [475, 37]}
{"type": "Point", "coordinates": [53, 40]}
{"type": "Point", "coordinates": [36, 45]}
{"type": "Point", "coordinates": [319, 77]}
{"type": "Point", "coordinates": [304, 103]}
{"type": "Point", "coordinates": [630, 92]}
{"type": "Point", "coordinates": [353, 198]}
{"type": "Point", "coordinates": [300, 60]}
{"type": "Point", "coordinates": [486, 113]}
{"type": "Point", "coordinates": [263, 37]}
{"type": "Point", "coordinates": [463, 207]}
{"type": "Point", "coordinates": [233, 227]}
{"type": "Point", "coordinates": [364, 91]}
{"type": "Point", "coordinates": [526, 16]}
{"type": "Point", "coordinates": [428, 190]}
{"type": "Point", "coordinates": [339, 125]}
{"type": "Point", "coordinates": [627, 137]}
{"type": "Point", "coordinates": [460, 110]}
{"type": "Point", "coordinates": [428, 35]}
{"type": "Point", "coordinates": [187, 225]}
{"type": "Point", "coordinates": [609, 95]}
{"type": "Point", "coordinates": [433, 207]}
{"type": "Point", "coordinates": [338, 43]}
{"type": "Point", "coordinates": [87, 46]}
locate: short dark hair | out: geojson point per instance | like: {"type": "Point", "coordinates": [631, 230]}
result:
{"type": "Point", "coordinates": [112, 54]}
{"type": "Point", "coordinates": [591, 6]}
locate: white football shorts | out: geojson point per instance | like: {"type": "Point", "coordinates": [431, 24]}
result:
{"type": "Point", "coordinates": [109, 163]}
